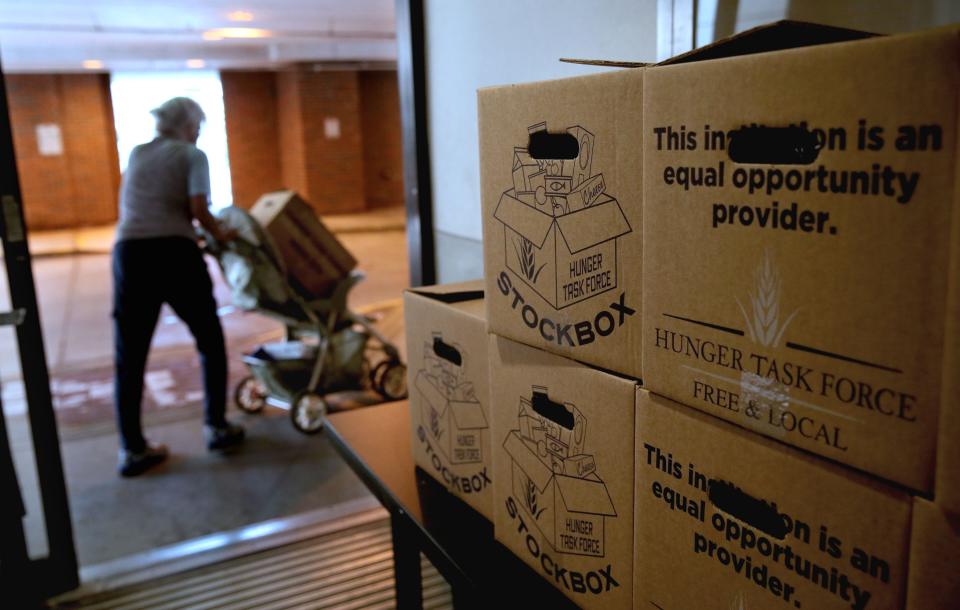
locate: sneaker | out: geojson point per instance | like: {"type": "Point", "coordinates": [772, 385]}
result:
{"type": "Point", "coordinates": [223, 437]}
{"type": "Point", "coordinates": [132, 463]}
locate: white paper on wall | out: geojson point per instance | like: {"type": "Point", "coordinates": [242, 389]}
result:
{"type": "Point", "coordinates": [331, 128]}
{"type": "Point", "coordinates": [49, 140]}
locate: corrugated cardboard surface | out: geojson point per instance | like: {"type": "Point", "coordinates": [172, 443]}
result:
{"type": "Point", "coordinates": [947, 490]}
{"type": "Point", "coordinates": [934, 559]}
{"type": "Point", "coordinates": [312, 254]}
{"type": "Point", "coordinates": [592, 321]}
{"type": "Point", "coordinates": [453, 447]}
{"type": "Point", "coordinates": [573, 522]}
{"type": "Point", "coordinates": [843, 537]}
{"type": "Point", "coordinates": [832, 338]}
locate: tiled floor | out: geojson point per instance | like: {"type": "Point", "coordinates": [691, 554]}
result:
{"type": "Point", "coordinates": [279, 473]}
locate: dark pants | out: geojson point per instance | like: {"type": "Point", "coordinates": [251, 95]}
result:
{"type": "Point", "coordinates": [146, 274]}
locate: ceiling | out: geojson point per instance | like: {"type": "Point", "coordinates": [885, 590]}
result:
{"type": "Point", "coordinates": [111, 35]}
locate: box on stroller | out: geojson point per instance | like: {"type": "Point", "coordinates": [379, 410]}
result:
{"type": "Point", "coordinates": [327, 348]}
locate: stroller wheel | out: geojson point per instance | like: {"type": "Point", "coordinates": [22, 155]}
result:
{"type": "Point", "coordinates": [376, 372]}
{"type": "Point", "coordinates": [390, 379]}
{"type": "Point", "coordinates": [249, 395]}
{"type": "Point", "coordinates": [308, 412]}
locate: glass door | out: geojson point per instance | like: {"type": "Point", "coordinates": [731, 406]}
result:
{"type": "Point", "coordinates": [37, 556]}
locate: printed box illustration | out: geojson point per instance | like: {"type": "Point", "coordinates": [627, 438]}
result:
{"type": "Point", "coordinates": [561, 226]}
{"type": "Point", "coordinates": [450, 394]}
{"type": "Point", "coordinates": [728, 519]}
{"type": "Point", "coordinates": [563, 471]}
{"type": "Point", "coordinates": [812, 298]}
{"type": "Point", "coordinates": [556, 482]}
{"type": "Point", "coordinates": [450, 404]}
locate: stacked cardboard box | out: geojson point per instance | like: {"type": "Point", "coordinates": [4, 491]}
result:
{"type": "Point", "coordinates": [450, 390]}
{"type": "Point", "coordinates": [801, 258]}
{"type": "Point", "coordinates": [800, 254]}
{"type": "Point", "coordinates": [727, 519]}
{"type": "Point", "coordinates": [561, 169]}
{"type": "Point", "coordinates": [561, 211]}
{"type": "Point", "coordinates": [561, 216]}
{"type": "Point", "coordinates": [563, 471]}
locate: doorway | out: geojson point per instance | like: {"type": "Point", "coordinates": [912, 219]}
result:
{"type": "Point", "coordinates": [280, 472]}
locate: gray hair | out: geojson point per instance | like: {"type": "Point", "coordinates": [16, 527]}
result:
{"type": "Point", "coordinates": [177, 116]}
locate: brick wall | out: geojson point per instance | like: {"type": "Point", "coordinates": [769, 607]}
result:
{"type": "Point", "coordinates": [250, 103]}
{"type": "Point", "coordinates": [80, 186]}
{"type": "Point", "coordinates": [360, 168]}
{"type": "Point", "coordinates": [334, 163]}
{"type": "Point", "coordinates": [275, 132]}
{"type": "Point", "coordinates": [382, 138]}
{"type": "Point", "coordinates": [290, 132]}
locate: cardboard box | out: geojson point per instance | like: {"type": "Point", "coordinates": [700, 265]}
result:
{"type": "Point", "coordinates": [562, 232]}
{"type": "Point", "coordinates": [934, 582]}
{"type": "Point", "coordinates": [802, 246]}
{"type": "Point", "coordinates": [563, 471]}
{"type": "Point", "coordinates": [449, 388]}
{"type": "Point", "coordinates": [728, 519]}
{"type": "Point", "coordinates": [313, 256]}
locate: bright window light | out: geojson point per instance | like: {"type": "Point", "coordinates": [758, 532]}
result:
{"type": "Point", "coordinates": [135, 94]}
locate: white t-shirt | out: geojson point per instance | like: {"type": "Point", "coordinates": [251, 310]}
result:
{"type": "Point", "coordinates": [155, 193]}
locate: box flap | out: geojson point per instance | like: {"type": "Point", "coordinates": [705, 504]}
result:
{"type": "Point", "coordinates": [468, 415]}
{"type": "Point", "coordinates": [526, 459]}
{"type": "Point", "coordinates": [427, 384]}
{"type": "Point", "coordinates": [776, 36]}
{"type": "Point", "coordinates": [451, 293]}
{"type": "Point", "coordinates": [588, 495]}
{"type": "Point", "coordinates": [605, 63]}
{"type": "Point", "coordinates": [602, 221]}
{"type": "Point", "coordinates": [525, 220]}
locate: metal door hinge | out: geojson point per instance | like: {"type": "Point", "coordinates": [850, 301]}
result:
{"type": "Point", "coordinates": [13, 318]}
{"type": "Point", "coordinates": [12, 223]}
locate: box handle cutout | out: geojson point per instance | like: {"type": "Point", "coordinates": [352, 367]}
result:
{"type": "Point", "coordinates": [447, 352]}
{"type": "Point", "coordinates": [773, 145]}
{"type": "Point", "coordinates": [554, 411]}
{"type": "Point", "coordinates": [546, 145]}
{"type": "Point", "coordinates": [752, 511]}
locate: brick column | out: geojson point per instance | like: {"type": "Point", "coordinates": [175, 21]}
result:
{"type": "Point", "coordinates": [333, 136]}
{"type": "Point", "coordinates": [79, 186]}
{"type": "Point", "coordinates": [250, 105]}
{"type": "Point", "coordinates": [382, 139]}
{"type": "Point", "coordinates": [320, 137]}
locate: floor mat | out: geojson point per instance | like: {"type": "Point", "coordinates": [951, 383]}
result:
{"type": "Point", "coordinates": [347, 569]}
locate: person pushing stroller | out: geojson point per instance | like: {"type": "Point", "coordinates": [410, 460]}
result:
{"type": "Point", "coordinates": [156, 260]}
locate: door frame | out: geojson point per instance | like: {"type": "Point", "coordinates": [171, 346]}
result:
{"type": "Point", "coordinates": [418, 194]}
{"type": "Point", "coordinates": [58, 571]}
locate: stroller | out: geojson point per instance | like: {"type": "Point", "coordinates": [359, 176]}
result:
{"type": "Point", "coordinates": [327, 347]}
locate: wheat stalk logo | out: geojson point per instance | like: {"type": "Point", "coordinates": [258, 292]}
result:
{"type": "Point", "coordinates": [435, 424]}
{"type": "Point", "coordinates": [530, 499]}
{"type": "Point", "coordinates": [528, 259]}
{"type": "Point", "coordinates": [737, 603]}
{"type": "Point", "coordinates": [764, 325]}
